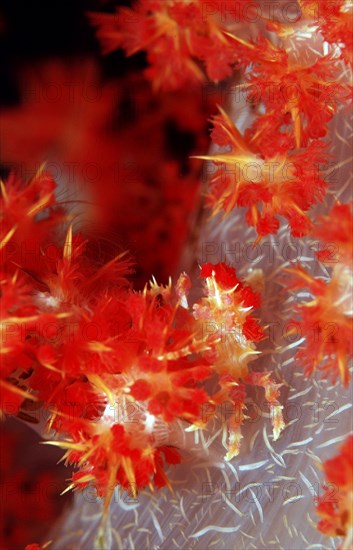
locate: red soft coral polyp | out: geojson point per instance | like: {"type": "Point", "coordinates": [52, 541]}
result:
{"type": "Point", "coordinates": [270, 184]}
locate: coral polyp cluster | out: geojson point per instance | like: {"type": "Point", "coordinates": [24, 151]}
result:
{"type": "Point", "coordinates": [334, 21]}
{"type": "Point", "coordinates": [120, 373]}
{"type": "Point", "coordinates": [326, 318]}
{"type": "Point", "coordinates": [183, 43]}
{"type": "Point", "coordinates": [273, 170]}
{"type": "Point", "coordinates": [275, 183]}
{"type": "Point", "coordinates": [114, 367]}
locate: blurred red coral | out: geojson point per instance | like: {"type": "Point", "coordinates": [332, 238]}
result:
{"type": "Point", "coordinates": [183, 41]}
{"type": "Point", "coordinates": [334, 507]}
